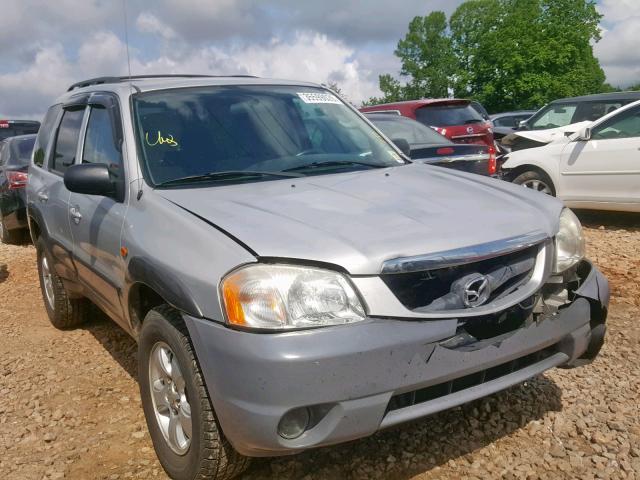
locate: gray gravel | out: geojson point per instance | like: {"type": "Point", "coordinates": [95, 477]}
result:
{"type": "Point", "coordinates": [70, 408]}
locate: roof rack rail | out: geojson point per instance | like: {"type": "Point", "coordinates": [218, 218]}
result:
{"type": "Point", "coordinates": [102, 80]}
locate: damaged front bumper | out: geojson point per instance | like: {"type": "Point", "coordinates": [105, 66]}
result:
{"type": "Point", "coordinates": [356, 379]}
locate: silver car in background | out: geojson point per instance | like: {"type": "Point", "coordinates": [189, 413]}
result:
{"type": "Point", "coordinates": [292, 280]}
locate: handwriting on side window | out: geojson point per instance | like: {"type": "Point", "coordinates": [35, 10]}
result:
{"type": "Point", "coordinates": [161, 140]}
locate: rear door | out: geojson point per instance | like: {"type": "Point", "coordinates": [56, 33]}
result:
{"type": "Point", "coordinates": [96, 221]}
{"type": "Point", "coordinates": [48, 197]}
{"type": "Point", "coordinates": [607, 167]}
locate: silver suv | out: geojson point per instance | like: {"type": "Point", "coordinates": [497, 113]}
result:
{"type": "Point", "coordinates": [292, 280]}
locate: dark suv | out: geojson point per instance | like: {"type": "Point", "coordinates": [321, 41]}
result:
{"type": "Point", "coordinates": [12, 128]}
{"type": "Point", "coordinates": [15, 155]}
{"type": "Point", "coordinates": [566, 111]}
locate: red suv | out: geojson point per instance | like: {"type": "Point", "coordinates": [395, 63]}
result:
{"type": "Point", "coordinates": [453, 118]}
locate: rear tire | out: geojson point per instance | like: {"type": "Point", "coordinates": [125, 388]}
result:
{"type": "Point", "coordinates": [181, 421]}
{"type": "Point", "coordinates": [64, 312]}
{"type": "Point", "coordinates": [537, 181]}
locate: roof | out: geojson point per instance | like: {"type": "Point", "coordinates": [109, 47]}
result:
{"type": "Point", "coordinates": [19, 122]}
{"type": "Point", "coordinates": [159, 82]}
{"type": "Point", "coordinates": [513, 113]}
{"type": "Point", "coordinates": [612, 96]}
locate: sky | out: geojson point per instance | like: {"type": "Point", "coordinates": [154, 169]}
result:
{"type": "Point", "coordinates": [45, 46]}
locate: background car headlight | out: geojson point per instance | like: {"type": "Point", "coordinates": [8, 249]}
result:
{"type": "Point", "coordinates": [569, 241]}
{"type": "Point", "coordinates": [289, 297]}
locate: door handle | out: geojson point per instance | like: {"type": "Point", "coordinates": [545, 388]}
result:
{"type": "Point", "coordinates": [43, 197]}
{"type": "Point", "coordinates": [75, 214]}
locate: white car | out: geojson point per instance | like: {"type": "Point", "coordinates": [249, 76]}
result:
{"type": "Point", "coordinates": [596, 167]}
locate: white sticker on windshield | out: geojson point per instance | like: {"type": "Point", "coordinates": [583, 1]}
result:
{"type": "Point", "coordinates": [308, 97]}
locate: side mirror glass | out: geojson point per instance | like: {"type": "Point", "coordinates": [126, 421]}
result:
{"type": "Point", "coordinates": [403, 145]}
{"type": "Point", "coordinates": [89, 179]}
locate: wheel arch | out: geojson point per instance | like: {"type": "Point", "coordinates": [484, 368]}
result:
{"type": "Point", "coordinates": [149, 286]}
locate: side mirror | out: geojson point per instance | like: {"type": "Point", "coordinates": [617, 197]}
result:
{"type": "Point", "coordinates": [90, 179]}
{"type": "Point", "coordinates": [522, 125]}
{"type": "Point", "coordinates": [403, 145]}
{"type": "Point", "coordinates": [584, 134]}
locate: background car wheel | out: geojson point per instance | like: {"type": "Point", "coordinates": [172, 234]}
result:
{"type": "Point", "coordinates": [186, 436]}
{"type": "Point", "coordinates": [10, 236]}
{"type": "Point", "coordinates": [63, 311]}
{"type": "Point", "coordinates": [536, 181]}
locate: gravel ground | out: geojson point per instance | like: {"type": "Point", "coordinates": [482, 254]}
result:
{"type": "Point", "coordinates": [70, 407]}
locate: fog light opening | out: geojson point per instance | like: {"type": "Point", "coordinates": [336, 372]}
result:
{"type": "Point", "coordinates": [294, 423]}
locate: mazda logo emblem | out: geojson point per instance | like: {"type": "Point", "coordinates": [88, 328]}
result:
{"type": "Point", "coordinates": [469, 129]}
{"type": "Point", "coordinates": [476, 291]}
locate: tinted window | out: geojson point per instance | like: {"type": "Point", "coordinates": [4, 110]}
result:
{"type": "Point", "coordinates": [190, 132]}
{"type": "Point", "coordinates": [448, 115]}
{"type": "Point", "coordinates": [21, 150]}
{"type": "Point", "coordinates": [413, 132]}
{"type": "Point", "coordinates": [624, 125]}
{"type": "Point", "coordinates": [505, 122]}
{"type": "Point", "coordinates": [99, 145]}
{"type": "Point", "coordinates": [17, 129]}
{"type": "Point", "coordinates": [554, 116]}
{"type": "Point", "coordinates": [45, 134]}
{"type": "Point", "coordinates": [67, 141]}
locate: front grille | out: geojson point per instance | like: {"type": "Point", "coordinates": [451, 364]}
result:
{"type": "Point", "coordinates": [433, 392]}
{"type": "Point", "coordinates": [419, 290]}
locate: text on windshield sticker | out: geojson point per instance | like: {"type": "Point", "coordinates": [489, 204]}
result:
{"type": "Point", "coordinates": [308, 97]}
{"type": "Point", "coordinates": [160, 140]}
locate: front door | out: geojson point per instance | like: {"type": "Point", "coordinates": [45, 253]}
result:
{"type": "Point", "coordinates": [605, 169]}
{"type": "Point", "coordinates": [96, 221]}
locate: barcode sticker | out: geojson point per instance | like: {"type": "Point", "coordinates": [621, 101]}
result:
{"type": "Point", "coordinates": [318, 98]}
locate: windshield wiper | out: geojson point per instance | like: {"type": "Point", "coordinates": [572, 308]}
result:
{"type": "Point", "coordinates": [333, 163]}
{"type": "Point", "coordinates": [226, 175]}
{"type": "Point", "coordinates": [473, 120]}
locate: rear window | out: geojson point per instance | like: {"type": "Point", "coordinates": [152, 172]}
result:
{"type": "Point", "coordinates": [395, 127]}
{"type": "Point", "coordinates": [21, 151]}
{"type": "Point", "coordinates": [13, 130]}
{"type": "Point", "coordinates": [448, 115]}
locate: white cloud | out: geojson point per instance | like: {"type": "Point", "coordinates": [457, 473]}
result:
{"type": "Point", "coordinates": [149, 23]}
{"type": "Point", "coordinates": [308, 56]}
{"type": "Point", "coordinates": [618, 50]}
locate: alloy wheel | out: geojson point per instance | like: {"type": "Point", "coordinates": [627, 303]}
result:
{"type": "Point", "coordinates": [537, 185]}
{"type": "Point", "coordinates": [47, 281]}
{"type": "Point", "coordinates": [169, 396]}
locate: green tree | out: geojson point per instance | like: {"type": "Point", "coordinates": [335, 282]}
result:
{"type": "Point", "coordinates": [427, 62]}
{"type": "Point", "coordinates": [524, 53]}
{"type": "Point", "coordinates": [507, 54]}
{"type": "Point", "coordinates": [427, 57]}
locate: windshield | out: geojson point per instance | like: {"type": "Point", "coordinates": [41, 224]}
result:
{"type": "Point", "coordinates": [448, 115]}
{"type": "Point", "coordinates": [197, 132]}
{"type": "Point", "coordinates": [395, 127]}
{"type": "Point", "coordinates": [553, 116]}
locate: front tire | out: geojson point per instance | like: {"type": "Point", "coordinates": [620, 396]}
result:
{"type": "Point", "coordinates": [185, 433]}
{"type": "Point", "coordinates": [64, 312]}
{"type": "Point", "coordinates": [537, 181]}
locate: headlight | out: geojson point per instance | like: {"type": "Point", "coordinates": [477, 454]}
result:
{"type": "Point", "coordinates": [289, 297]}
{"type": "Point", "coordinates": [569, 241]}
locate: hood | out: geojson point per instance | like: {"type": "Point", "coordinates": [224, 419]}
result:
{"type": "Point", "coordinates": [544, 137]}
{"type": "Point", "coordinates": [357, 220]}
